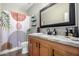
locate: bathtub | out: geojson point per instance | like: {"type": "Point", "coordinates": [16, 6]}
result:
{"type": "Point", "coordinates": [23, 48]}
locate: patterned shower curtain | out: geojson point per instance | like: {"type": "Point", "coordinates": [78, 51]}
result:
{"type": "Point", "coordinates": [14, 26]}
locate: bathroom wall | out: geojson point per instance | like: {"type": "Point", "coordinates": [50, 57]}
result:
{"type": "Point", "coordinates": [0, 6]}
{"type": "Point", "coordinates": [34, 10]}
{"type": "Point", "coordinates": [20, 7]}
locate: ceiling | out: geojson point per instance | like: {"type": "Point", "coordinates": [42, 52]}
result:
{"type": "Point", "coordinates": [22, 7]}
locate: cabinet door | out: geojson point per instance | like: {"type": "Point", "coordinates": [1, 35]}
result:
{"type": "Point", "coordinates": [60, 53]}
{"type": "Point", "coordinates": [35, 48]}
{"type": "Point", "coordinates": [45, 50]}
{"type": "Point", "coordinates": [30, 44]}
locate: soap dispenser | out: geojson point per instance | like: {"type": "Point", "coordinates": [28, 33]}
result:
{"type": "Point", "coordinates": [76, 32]}
{"type": "Point", "coordinates": [38, 30]}
{"type": "Point", "coordinates": [54, 32]}
{"type": "Point", "coordinates": [70, 32]}
{"type": "Point", "coordinates": [66, 33]}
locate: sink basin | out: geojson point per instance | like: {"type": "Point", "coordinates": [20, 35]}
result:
{"type": "Point", "coordinates": [73, 38]}
{"type": "Point", "coordinates": [59, 37]}
{"type": "Point", "coordinates": [64, 39]}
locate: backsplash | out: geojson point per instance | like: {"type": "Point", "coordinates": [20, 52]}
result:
{"type": "Point", "coordinates": [59, 30]}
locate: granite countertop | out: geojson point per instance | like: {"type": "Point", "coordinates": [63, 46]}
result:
{"type": "Point", "coordinates": [72, 41]}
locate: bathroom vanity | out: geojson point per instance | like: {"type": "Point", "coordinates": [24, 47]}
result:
{"type": "Point", "coordinates": [49, 45]}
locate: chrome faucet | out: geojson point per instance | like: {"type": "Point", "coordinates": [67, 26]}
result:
{"type": "Point", "coordinates": [49, 32]}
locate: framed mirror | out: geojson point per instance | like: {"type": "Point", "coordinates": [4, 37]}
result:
{"type": "Point", "coordinates": [57, 14]}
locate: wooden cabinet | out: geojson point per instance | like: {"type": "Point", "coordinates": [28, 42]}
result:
{"type": "Point", "coordinates": [41, 47]}
{"type": "Point", "coordinates": [59, 53]}
{"type": "Point", "coordinates": [30, 46]}
{"type": "Point", "coordinates": [35, 48]}
{"type": "Point", "coordinates": [45, 49]}
{"type": "Point", "coordinates": [63, 53]}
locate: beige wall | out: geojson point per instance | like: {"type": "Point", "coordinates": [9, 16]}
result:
{"type": "Point", "coordinates": [0, 6]}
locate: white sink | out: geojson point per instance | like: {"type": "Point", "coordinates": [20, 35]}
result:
{"type": "Point", "coordinates": [64, 39]}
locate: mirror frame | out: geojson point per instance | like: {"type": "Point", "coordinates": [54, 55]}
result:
{"type": "Point", "coordinates": [71, 16]}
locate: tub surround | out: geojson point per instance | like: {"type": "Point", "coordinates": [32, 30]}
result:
{"type": "Point", "coordinates": [9, 51]}
{"type": "Point", "coordinates": [21, 50]}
